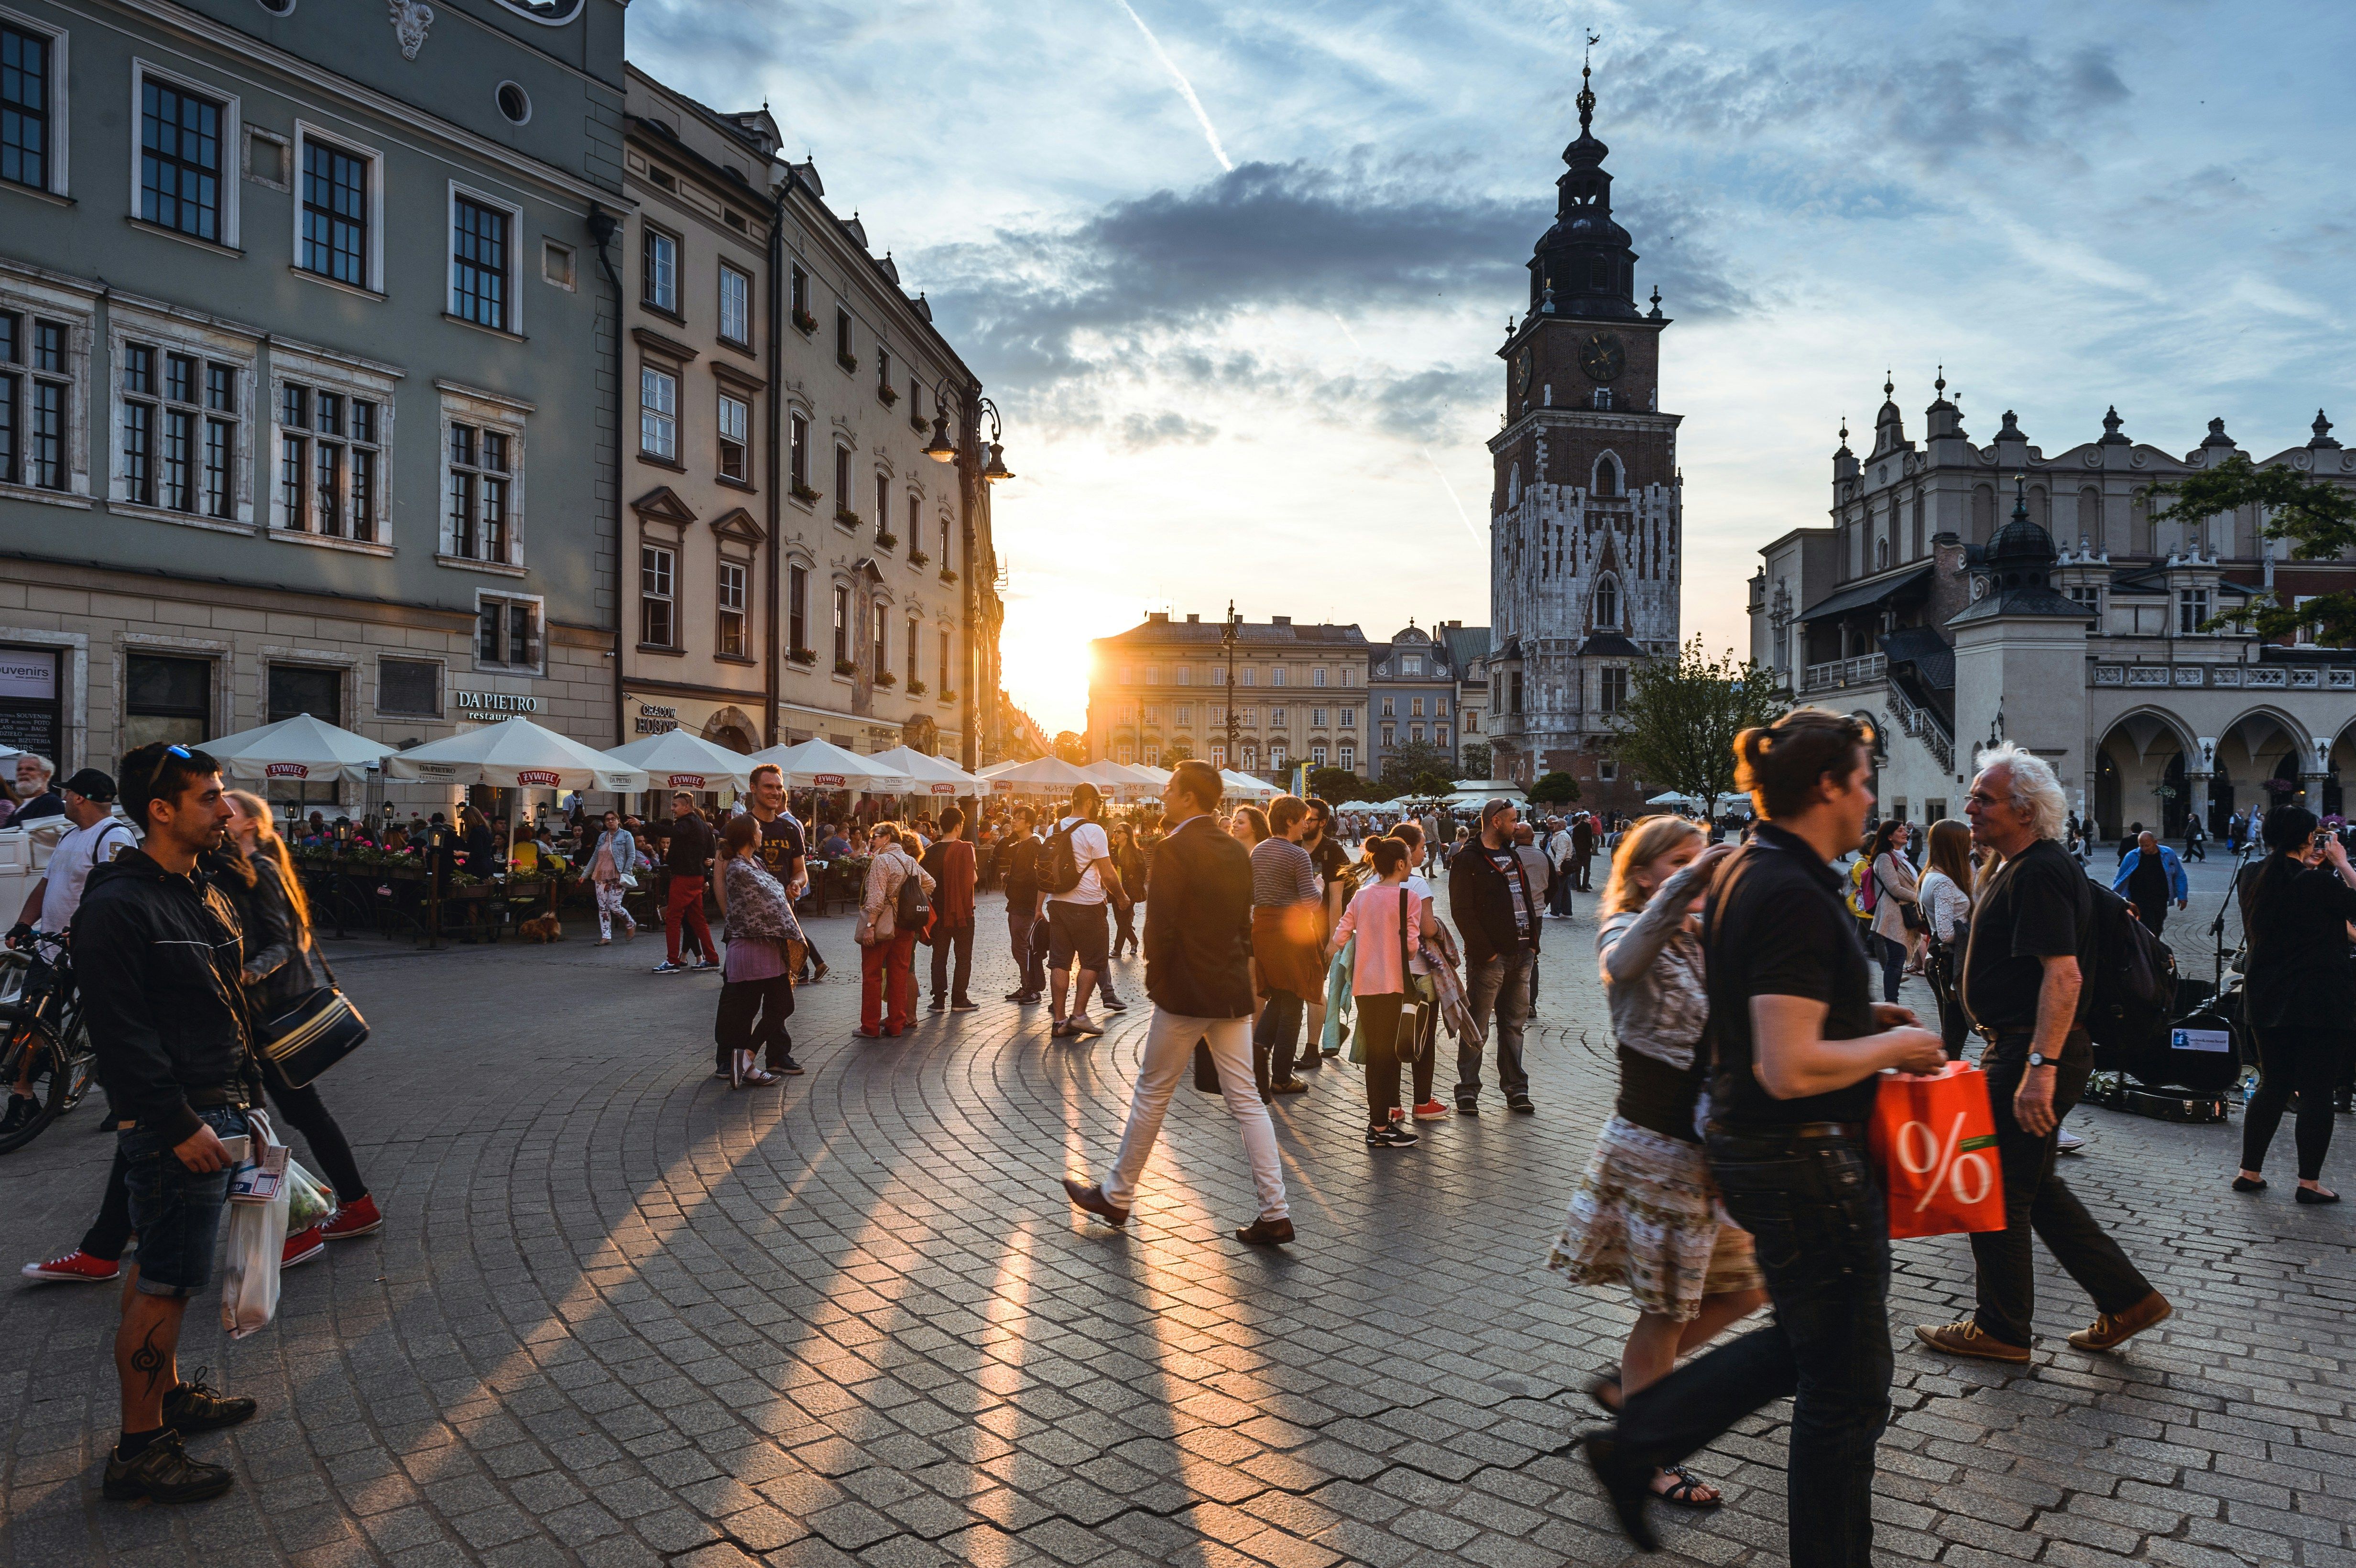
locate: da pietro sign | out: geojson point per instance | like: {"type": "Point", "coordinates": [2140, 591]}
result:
{"type": "Point", "coordinates": [488, 705]}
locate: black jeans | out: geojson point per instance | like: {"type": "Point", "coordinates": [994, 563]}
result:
{"type": "Point", "coordinates": [2036, 1200]}
{"type": "Point", "coordinates": [2308, 1061]}
{"type": "Point", "coordinates": [741, 1002]}
{"type": "Point", "coordinates": [1276, 1036]}
{"type": "Point", "coordinates": [960, 937]}
{"type": "Point", "coordinates": [1816, 1215]}
{"type": "Point", "coordinates": [1892, 955]}
{"type": "Point", "coordinates": [1125, 927]}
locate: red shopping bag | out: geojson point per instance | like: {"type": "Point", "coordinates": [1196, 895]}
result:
{"type": "Point", "coordinates": [1933, 1140]}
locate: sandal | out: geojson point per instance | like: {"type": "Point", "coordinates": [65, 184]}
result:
{"type": "Point", "coordinates": [1606, 1382]}
{"type": "Point", "coordinates": [1685, 1490]}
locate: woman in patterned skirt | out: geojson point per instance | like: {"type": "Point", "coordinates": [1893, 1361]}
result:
{"type": "Point", "coordinates": [1645, 1213]}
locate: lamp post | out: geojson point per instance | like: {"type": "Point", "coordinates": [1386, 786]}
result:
{"type": "Point", "coordinates": [1229, 632]}
{"type": "Point", "coordinates": [975, 477]}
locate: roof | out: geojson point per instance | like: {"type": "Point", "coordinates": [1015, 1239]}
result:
{"type": "Point", "coordinates": [1932, 657]}
{"type": "Point", "coordinates": [2030, 599]}
{"type": "Point", "coordinates": [1612, 645]}
{"type": "Point", "coordinates": [1265, 635]}
{"type": "Point", "coordinates": [1859, 595]}
{"type": "Point", "coordinates": [1465, 643]}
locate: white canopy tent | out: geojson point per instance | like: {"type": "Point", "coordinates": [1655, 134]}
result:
{"type": "Point", "coordinates": [679, 758]}
{"type": "Point", "coordinates": [514, 753]}
{"type": "Point", "coordinates": [301, 749]}
{"type": "Point", "coordinates": [929, 774]}
{"type": "Point", "coordinates": [1039, 776]}
{"type": "Point", "coordinates": [1674, 798]}
{"type": "Point", "coordinates": [1118, 782]}
{"type": "Point", "coordinates": [821, 764]}
{"type": "Point", "coordinates": [1243, 786]}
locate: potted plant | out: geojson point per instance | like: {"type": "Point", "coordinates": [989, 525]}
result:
{"type": "Point", "coordinates": [804, 322]}
{"type": "Point", "coordinates": [949, 574]}
{"type": "Point", "coordinates": [846, 516]}
{"type": "Point", "coordinates": [885, 395]}
{"type": "Point", "coordinates": [917, 558]}
{"type": "Point", "coordinates": [803, 493]}
{"type": "Point", "coordinates": [845, 667]}
{"type": "Point", "coordinates": [804, 655]}
{"type": "Point", "coordinates": [848, 361]}
{"type": "Point", "coordinates": [917, 420]}
{"type": "Point", "coordinates": [886, 540]}
{"type": "Point", "coordinates": [917, 688]}
{"type": "Point", "coordinates": [948, 694]}
{"type": "Point", "coordinates": [886, 678]}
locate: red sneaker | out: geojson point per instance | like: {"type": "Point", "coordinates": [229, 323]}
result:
{"type": "Point", "coordinates": [1430, 1111]}
{"type": "Point", "coordinates": [301, 1248]}
{"type": "Point", "coordinates": [358, 1218]}
{"type": "Point", "coordinates": [77, 1268]}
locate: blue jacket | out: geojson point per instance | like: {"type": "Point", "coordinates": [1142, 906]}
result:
{"type": "Point", "coordinates": [2176, 886]}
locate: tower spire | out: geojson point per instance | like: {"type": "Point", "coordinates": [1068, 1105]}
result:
{"type": "Point", "coordinates": [1585, 87]}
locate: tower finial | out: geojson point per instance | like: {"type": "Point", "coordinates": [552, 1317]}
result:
{"type": "Point", "coordinates": [1586, 88]}
{"type": "Point", "coordinates": [1940, 385]}
{"type": "Point", "coordinates": [1889, 385]}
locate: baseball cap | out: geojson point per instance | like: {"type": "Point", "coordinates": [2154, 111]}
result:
{"type": "Point", "coordinates": [90, 784]}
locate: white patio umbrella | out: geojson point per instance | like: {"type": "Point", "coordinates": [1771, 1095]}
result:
{"type": "Point", "coordinates": [677, 758]}
{"type": "Point", "coordinates": [301, 749]}
{"type": "Point", "coordinates": [1116, 781]}
{"type": "Point", "coordinates": [821, 764]}
{"type": "Point", "coordinates": [1243, 786]}
{"type": "Point", "coordinates": [1157, 777]}
{"type": "Point", "coordinates": [514, 753]}
{"type": "Point", "coordinates": [1041, 775]}
{"type": "Point", "coordinates": [930, 775]}
{"type": "Point", "coordinates": [1674, 798]}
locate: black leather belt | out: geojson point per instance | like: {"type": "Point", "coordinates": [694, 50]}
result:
{"type": "Point", "coordinates": [1854, 1131]}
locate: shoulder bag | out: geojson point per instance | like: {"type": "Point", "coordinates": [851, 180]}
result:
{"type": "Point", "coordinates": [306, 1040]}
{"type": "Point", "coordinates": [1910, 912]}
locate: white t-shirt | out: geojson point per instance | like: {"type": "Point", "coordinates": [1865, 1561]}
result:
{"type": "Point", "coordinates": [70, 863]}
{"type": "Point", "coordinates": [1089, 845]}
{"type": "Point", "coordinates": [1415, 885]}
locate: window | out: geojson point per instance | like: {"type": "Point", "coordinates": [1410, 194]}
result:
{"type": "Point", "coordinates": [297, 689]}
{"type": "Point", "coordinates": [1186, 674]}
{"type": "Point", "coordinates": [32, 409]}
{"type": "Point", "coordinates": [330, 455]}
{"type": "Point", "coordinates": [1184, 714]}
{"type": "Point", "coordinates": [335, 214]}
{"type": "Point", "coordinates": [1276, 676]}
{"type": "Point", "coordinates": [1411, 663]}
{"type": "Point", "coordinates": [1390, 735]}
{"type": "Point", "coordinates": [735, 420]}
{"type": "Point", "coordinates": [1603, 397]}
{"type": "Point", "coordinates": [916, 520]}
{"type": "Point", "coordinates": [409, 687]}
{"type": "Point", "coordinates": [478, 522]}
{"type": "Point", "coordinates": [1607, 603]}
{"type": "Point", "coordinates": [798, 453]}
{"type": "Point", "coordinates": [916, 668]}
{"type": "Point", "coordinates": [658, 604]}
{"type": "Point", "coordinates": [1414, 733]}
{"type": "Point", "coordinates": [1276, 716]}
{"type": "Point", "coordinates": [1439, 735]}
{"type": "Point", "coordinates": [1250, 675]}
{"type": "Point", "coordinates": [1316, 756]}
{"type": "Point", "coordinates": [1250, 753]}
{"type": "Point", "coordinates": [883, 507]}
{"type": "Point", "coordinates": [1349, 758]}
{"type": "Point", "coordinates": [2191, 609]}
{"type": "Point", "coordinates": [1415, 707]}
{"type": "Point", "coordinates": [730, 603]}
{"type": "Point", "coordinates": [1390, 707]}
{"type": "Point", "coordinates": [1349, 718]}
{"type": "Point", "coordinates": [1218, 755]}
{"type": "Point", "coordinates": [659, 271]}
{"type": "Point", "coordinates": [556, 263]}
{"type": "Point", "coordinates": [167, 699]}
{"type": "Point", "coordinates": [798, 299]}
{"type": "Point", "coordinates": [515, 103]}
{"type": "Point", "coordinates": [1124, 755]}
{"type": "Point", "coordinates": [843, 479]}
{"type": "Point", "coordinates": [26, 90]}
{"type": "Point", "coordinates": [508, 632]}
{"type": "Point", "coordinates": [1607, 476]}
{"type": "Point", "coordinates": [881, 662]}
{"type": "Point", "coordinates": [1614, 683]}
{"type": "Point", "coordinates": [796, 608]}
{"type": "Point", "coordinates": [1154, 675]}
{"type": "Point", "coordinates": [843, 341]}
{"type": "Point", "coordinates": [1317, 718]}
{"type": "Point", "coordinates": [658, 413]}
{"type": "Point", "coordinates": [1276, 754]}
{"type": "Point", "coordinates": [1349, 677]}
{"type": "Point", "coordinates": [479, 263]}
{"type": "Point", "coordinates": [946, 559]}
{"type": "Point", "coordinates": [179, 431]}
{"type": "Point", "coordinates": [736, 306]}
{"type": "Point", "coordinates": [842, 625]}
{"type": "Point", "coordinates": [1439, 708]}
{"type": "Point", "coordinates": [947, 641]}
{"type": "Point", "coordinates": [180, 159]}
{"type": "Point", "coordinates": [1317, 675]}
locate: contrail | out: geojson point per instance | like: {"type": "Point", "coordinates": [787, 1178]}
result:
{"type": "Point", "coordinates": [1462, 516]}
{"type": "Point", "coordinates": [1185, 87]}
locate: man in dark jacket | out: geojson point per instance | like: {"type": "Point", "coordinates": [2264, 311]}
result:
{"type": "Point", "coordinates": [1496, 913]}
{"type": "Point", "coordinates": [950, 863]}
{"type": "Point", "coordinates": [1582, 849]}
{"type": "Point", "coordinates": [1199, 974]}
{"type": "Point", "coordinates": [687, 855]}
{"type": "Point", "coordinates": [1020, 859]}
{"type": "Point", "coordinates": [158, 952]}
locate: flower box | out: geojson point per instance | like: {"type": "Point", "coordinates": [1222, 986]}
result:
{"type": "Point", "coordinates": [886, 540]}
{"type": "Point", "coordinates": [848, 361]}
{"type": "Point", "coordinates": [802, 492]}
{"type": "Point", "coordinates": [885, 395]}
{"type": "Point", "coordinates": [917, 688]}
{"type": "Point", "coordinates": [949, 574]}
{"type": "Point", "coordinates": [886, 678]}
{"type": "Point", "coordinates": [805, 322]}
{"type": "Point", "coordinates": [846, 516]}
{"type": "Point", "coordinates": [917, 558]}
{"type": "Point", "coordinates": [804, 655]}
{"type": "Point", "coordinates": [845, 667]}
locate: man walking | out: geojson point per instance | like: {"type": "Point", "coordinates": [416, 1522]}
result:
{"type": "Point", "coordinates": [1198, 977]}
{"type": "Point", "coordinates": [1582, 849]}
{"type": "Point", "coordinates": [687, 855]}
{"type": "Point", "coordinates": [2150, 877]}
{"type": "Point", "coordinates": [2032, 932]}
{"type": "Point", "coordinates": [159, 950]}
{"type": "Point", "coordinates": [951, 864]}
{"type": "Point", "coordinates": [1799, 1041]}
{"type": "Point", "coordinates": [1495, 911]}
{"type": "Point", "coordinates": [1288, 937]}
{"type": "Point", "coordinates": [1020, 859]}
{"type": "Point", "coordinates": [1076, 872]}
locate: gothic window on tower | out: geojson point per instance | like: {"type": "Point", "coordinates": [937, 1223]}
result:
{"type": "Point", "coordinates": [1607, 476]}
{"type": "Point", "coordinates": [1613, 693]}
{"type": "Point", "coordinates": [1607, 604]}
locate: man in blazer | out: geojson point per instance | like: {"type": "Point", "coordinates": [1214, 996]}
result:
{"type": "Point", "coordinates": [1199, 974]}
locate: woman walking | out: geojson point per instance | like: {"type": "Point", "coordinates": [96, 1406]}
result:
{"type": "Point", "coordinates": [1127, 858]}
{"type": "Point", "coordinates": [2301, 1000]}
{"type": "Point", "coordinates": [1895, 894]}
{"type": "Point", "coordinates": [616, 856]}
{"type": "Point", "coordinates": [887, 983]}
{"type": "Point", "coordinates": [756, 982]}
{"type": "Point", "coordinates": [1388, 976]}
{"type": "Point", "coordinates": [1424, 1058]}
{"type": "Point", "coordinates": [1646, 1214]}
{"type": "Point", "coordinates": [1947, 906]}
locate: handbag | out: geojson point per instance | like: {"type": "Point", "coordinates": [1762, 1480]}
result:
{"type": "Point", "coordinates": [1910, 913]}
{"type": "Point", "coordinates": [310, 1036]}
{"type": "Point", "coordinates": [1933, 1139]}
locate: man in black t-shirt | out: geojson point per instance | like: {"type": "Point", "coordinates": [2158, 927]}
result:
{"type": "Point", "coordinates": [1799, 1041]}
{"type": "Point", "coordinates": [1336, 885]}
{"type": "Point", "coordinates": [2032, 941]}
{"type": "Point", "coordinates": [1020, 859]}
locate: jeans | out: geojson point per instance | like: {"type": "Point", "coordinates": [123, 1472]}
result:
{"type": "Point", "coordinates": [1169, 1057]}
{"type": "Point", "coordinates": [175, 1211]}
{"type": "Point", "coordinates": [1501, 986]}
{"type": "Point", "coordinates": [1275, 1037]}
{"type": "Point", "coordinates": [2035, 1200]}
{"type": "Point", "coordinates": [1029, 962]}
{"type": "Point", "coordinates": [734, 1027]}
{"type": "Point", "coordinates": [945, 938]}
{"type": "Point", "coordinates": [1892, 957]}
{"type": "Point", "coordinates": [1816, 1215]}
{"type": "Point", "coordinates": [685, 907]}
{"type": "Point", "coordinates": [2303, 1060]}
{"type": "Point", "coordinates": [1124, 927]}
{"type": "Point", "coordinates": [887, 983]}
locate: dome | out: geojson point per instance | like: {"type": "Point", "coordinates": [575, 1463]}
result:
{"type": "Point", "coordinates": [2021, 542]}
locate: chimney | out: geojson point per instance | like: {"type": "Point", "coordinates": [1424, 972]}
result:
{"type": "Point", "coordinates": [1280, 620]}
{"type": "Point", "coordinates": [1194, 620]}
{"type": "Point", "coordinates": [1157, 617]}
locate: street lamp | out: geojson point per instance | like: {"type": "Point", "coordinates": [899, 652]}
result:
{"type": "Point", "coordinates": [1227, 635]}
{"type": "Point", "coordinates": [941, 449]}
{"type": "Point", "coordinates": [995, 469]}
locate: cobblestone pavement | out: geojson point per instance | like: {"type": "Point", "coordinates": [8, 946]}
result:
{"type": "Point", "coordinates": [621, 1315]}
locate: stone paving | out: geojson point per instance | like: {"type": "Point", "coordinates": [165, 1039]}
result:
{"type": "Point", "coordinates": [622, 1316]}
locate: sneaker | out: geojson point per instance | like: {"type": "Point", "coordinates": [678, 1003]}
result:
{"type": "Point", "coordinates": [1965, 1338]}
{"type": "Point", "coordinates": [819, 975]}
{"type": "Point", "coordinates": [194, 1407]}
{"type": "Point", "coordinates": [965, 1005]}
{"type": "Point", "coordinates": [2110, 1330]}
{"type": "Point", "coordinates": [301, 1248]}
{"type": "Point", "coordinates": [788, 1067]}
{"type": "Point", "coordinates": [77, 1268]}
{"type": "Point", "coordinates": [939, 1005]}
{"type": "Point", "coordinates": [23, 1111]}
{"type": "Point", "coordinates": [1430, 1111]}
{"type": "Point", "coordinates": [358, 1218]}
{"type": "Point", "coordinates": [1289, 1086]}
{"type": "Point", "coordinates": [1062, 1030]}
{"type": "Point", "coordinates": [1520, 1103]}
{"type": "Point", "coordinates": [1083, 1024]}
{"type": "Point", "coordinates": [1468, 1107]}
{"type": "Point", "coordinates": [1025, 997]}
{"type": "Point", "coordinates": [165, 1474]}
{"type": "Point", "coordinates": [1265, 1232]}
{"type": "Point", "coordinates": [701, 964]}
{"type": "Point", "coordinates": [668, 967]}
{"type": "Point", "coordinates": [2067, 1142]}
{"type": "Point", "coordinates": [1399, 1135]}
{"type": "Point", "coordinates": [1113, 1004]}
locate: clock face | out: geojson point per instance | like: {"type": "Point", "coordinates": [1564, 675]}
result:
{"type": "Point", "coordinates": [1522, 369]}
{"type": "Point", "coordinates": [1603, 357]}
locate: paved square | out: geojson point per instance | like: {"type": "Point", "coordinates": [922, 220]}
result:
{"type": "Point", "coordinates": [621, 1315]}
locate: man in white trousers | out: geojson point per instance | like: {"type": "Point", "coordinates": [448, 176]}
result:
{"type": "Point", "coordinates": [1199, 974]}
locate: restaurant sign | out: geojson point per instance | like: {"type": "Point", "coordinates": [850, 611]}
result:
{"type": "Point", "coordinates": [490, 705]}
{"type": "Point", "coordinates": [658, 718]}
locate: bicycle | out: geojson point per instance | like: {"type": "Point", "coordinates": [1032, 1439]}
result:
{"type": "Point", "coordinates": [44, 1025]}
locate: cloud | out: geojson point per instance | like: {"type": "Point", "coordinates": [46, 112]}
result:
{"type": "Point", "coordinates": [1169, 428]}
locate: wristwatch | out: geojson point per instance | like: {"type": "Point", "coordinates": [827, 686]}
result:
{"type": "Point", "coordinates": [2039, 1058]}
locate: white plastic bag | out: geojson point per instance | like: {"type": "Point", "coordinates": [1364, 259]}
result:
{"type": "Point", "coordinates": [257, 1234]}
{"type": "Point", "coordinates": [307, 1202]}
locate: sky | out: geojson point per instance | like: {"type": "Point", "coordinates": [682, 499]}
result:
{"type": "Point", "coordinates": [1236, 274]}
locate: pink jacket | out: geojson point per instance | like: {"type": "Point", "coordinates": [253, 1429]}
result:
{"type": "Point", "coordinates": [1373, 916]}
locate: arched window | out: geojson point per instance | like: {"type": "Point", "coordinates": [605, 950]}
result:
{"type": "Point", "coordinates": [1880, 554]}
{"type": "Point", "coordinates": [1607, 604]}
{"type": "Point", "coordinates": [1514, 486]}
{"type": "Point", "coordinates": [1983, 513]}
{"type": "Point", "coordinates": [2090, 516]}
{"type": "Point", "coordinates": [1607, 475]}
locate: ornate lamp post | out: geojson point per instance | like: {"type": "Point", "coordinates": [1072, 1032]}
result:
{"type": "Point", "coordinates": [975, 477]}
{"type": "Point", "coordinates": [1228, 633]}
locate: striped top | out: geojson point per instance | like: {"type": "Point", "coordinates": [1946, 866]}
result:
{"type": "Point", "coordinates": [1282, 873]}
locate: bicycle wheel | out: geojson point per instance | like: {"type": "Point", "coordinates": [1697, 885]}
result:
{"type": "Point", "coordinates": [67, 1088]}
{"type": "Point", "coordinates": [30, 1037]}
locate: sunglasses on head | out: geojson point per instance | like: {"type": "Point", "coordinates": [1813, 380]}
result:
{"type": "Point", "coordinates": [180, 752]}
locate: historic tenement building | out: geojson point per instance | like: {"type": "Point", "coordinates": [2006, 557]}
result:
{"type": "Point", "coordinates": [1964, 592]}
{"type": "Point", "coordinates": [1413, 693]}
{"type": "Point", "coordinates": [1586, 526]}
{"type": "Point", "coordinates": [1160, 691]}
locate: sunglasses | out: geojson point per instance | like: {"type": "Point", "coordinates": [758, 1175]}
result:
{"type": "Point", "coordinates": [180, 752]}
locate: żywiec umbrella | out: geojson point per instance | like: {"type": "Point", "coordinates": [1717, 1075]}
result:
{"type": "Point", "coordinates": [930, 775]}
{"type": "Point", "coordinates": [1039, 776]}
{"type": "Point", "coordinates": [1243, 786]}
{"type": "Point", "coordinates": [301, 749]}
{"type": "Point", "coordinates": [514, 753]}
{"type": "Point", "coordinates": [677, 760]}
{"type": "Point", "coordinates": [821, 764]}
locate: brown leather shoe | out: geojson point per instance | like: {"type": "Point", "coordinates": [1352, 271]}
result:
{"type": "Point", "coordinates": [1265, 1232]}
{"type": "Point", "coordinates": [1965, 1338]}
{"type": "Point", "coordinates": [2110, 1330]}
{"type": "Point", "coordinates": [1092, 1199]}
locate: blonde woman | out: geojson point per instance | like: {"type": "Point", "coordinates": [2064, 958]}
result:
{"type": "Point", "coordinates": [887, 988]}
{"type": "Point", "coordinates": [1947, 905]}
{"type": "Point", "coordinates": [1646, 1214]}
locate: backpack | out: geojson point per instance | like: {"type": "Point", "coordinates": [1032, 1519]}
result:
{"type": "Point", "coordinates": [1059, 865]}
{"type": "Point", "coordinates": [913, 909]}
{"type": "Point", "coordinates": [2131, 987]}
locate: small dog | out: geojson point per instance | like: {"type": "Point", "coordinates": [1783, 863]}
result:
{"type": "Point", "coordinates": [543, 928]}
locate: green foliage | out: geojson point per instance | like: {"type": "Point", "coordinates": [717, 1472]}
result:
{"type": "Point", "coordinates": [1175, 752]}
{"type": "Point", "coordinates": [1554, 789]}
{"type": "Point", "coordinates": [1418, 768]}
{"type": "Point", "coordinates": [1477, 759]}
{"type": "Point", "coordinates": [1073, 748]}
{"type": "Point", "coordinates": [1678, 726]}
{"type": "Point", "coordinates": [1335, 785]}
{"type": "Point", "coordinates": [2320, 516]}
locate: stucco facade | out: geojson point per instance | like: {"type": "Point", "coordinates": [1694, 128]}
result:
{"type": "Point", "coordinates": [1158, 691]}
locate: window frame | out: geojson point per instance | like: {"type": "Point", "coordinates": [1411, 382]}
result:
{"type": "Point", "coordinates": [660, 561]}
{"type": "Point", "coordinates": [315, 374]}
{"type": "Point", "coordinates": [169, 332]}
{"type": "Point", "coordinates": [724, 611]}
{"type": "Point", "coordinates": [728, 269]}
{"type": "Point", "coordinates": [797, 583]}
{"type": "Point", "coordinates": [723, 395]}
{"type": "Point", "coordinates": [512, 325]}
{"type": "Point", "coordinates": [538, 603]}
{"type": "Point", "coordinates": [57, 174]}
{"type": "Point", "coordinates": [502, 416]}
{"type": "Point", "coordinates": [33, 301]}
{"type": "Point", "coordinates": [441, 687]}
{"type": "Point", "coordinates": [372, 256]}
{"type": "Point", "coordinates": [651, 235]}
{"type": "Point", "coordinates": [654, 417]}
{"type": "Point", "coordinates": [844, 606]}
{"type": "Point", "coordinates": [232, 137]}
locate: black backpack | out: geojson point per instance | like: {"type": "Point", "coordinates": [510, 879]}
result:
{"type": "Point", "coordinates": [913, 908]}
{"type": "Point", "coordinates": [2131, 986]}
{"type": "Point", "coordinates": [1059, 866]}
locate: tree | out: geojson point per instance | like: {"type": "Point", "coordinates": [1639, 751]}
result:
{"type": "Point", "coordinates": [1477, 759]}
{"type": "Point", "coordinates": [1555, 789]}
{"type": "Point", "coordinates": [1678, 725]}
{"type": "Point", "coordinates": [1175, 752]}
{"type": "Point", "coordinates": [1335, 785]}
{"type": "Point", "coordinates": [2320, 515]}
{"type": "Point", "coordinates": [1418, 768]}
{"type": "Point", "coordinates": [1073, 748]}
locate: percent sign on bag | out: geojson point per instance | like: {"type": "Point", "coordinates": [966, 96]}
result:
{"type": "Point", "coordinates": [1956, 1165]}
{"type": "Point", "coordinates": [1935, 1140]}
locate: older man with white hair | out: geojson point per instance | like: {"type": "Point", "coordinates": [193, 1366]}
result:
{"type": "Point", "coordinates": [36, 796]}
{"type": "Point", "coordinates": [2024, 990]}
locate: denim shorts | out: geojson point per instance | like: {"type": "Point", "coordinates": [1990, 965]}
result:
{"type": "Point", "coordinates": [1075, 931]}
{"type": "Point", "coordinates": [175, 1211]}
